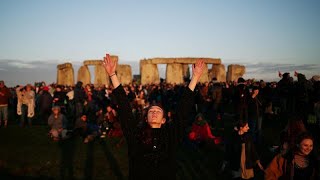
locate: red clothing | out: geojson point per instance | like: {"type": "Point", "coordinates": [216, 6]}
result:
{"type": "Point", "coordinates": [4, 96]}
{"type": "Point", "coordinates": [200, 132]}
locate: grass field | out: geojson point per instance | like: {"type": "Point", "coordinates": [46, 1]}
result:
{"type": "Point", "coordinates": [28, 153]}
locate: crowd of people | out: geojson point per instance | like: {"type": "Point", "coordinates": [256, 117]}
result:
{"type": "Point", "coordinates": [92, 112]}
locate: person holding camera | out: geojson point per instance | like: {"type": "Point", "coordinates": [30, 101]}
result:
{"type": "Point", "coordinates": [26, 104]}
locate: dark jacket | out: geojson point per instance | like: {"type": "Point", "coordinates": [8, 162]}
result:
{"type": "Point", "coordinates": [234, 147]}
{"type": "Point", "coordinates": [79, 93]}
{"type": "Point", "coordinates": [152, 152]}
{"type": "Point", "coordinates": [61, 98]}
{"type": "Point", "coordinates": [45, 101]}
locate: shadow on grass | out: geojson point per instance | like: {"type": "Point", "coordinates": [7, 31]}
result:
{"type": "Point", "coordinates": [67, 148]}
{"type": "Point", "coordinates": [112, 160]}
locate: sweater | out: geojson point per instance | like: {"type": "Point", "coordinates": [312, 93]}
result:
{"type": "Point", "coordinates": [57, 123]}
{"type": "Point", "coordinates": [152, 152]}
{"type": "Point", "coordinates": [27, 99]}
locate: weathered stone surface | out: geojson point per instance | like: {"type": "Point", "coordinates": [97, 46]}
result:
{"type": "Point", "coordinates": [174, 73]}
{"type": "Point", "coordinates": [235, 71]}
{"type": "Point", "coordinates": [219, 72]}
{"type": "Point", "coordinates": [186, 71]}
{"type": "Point", "coordinates": [65, 74]}
{"type": "Point", "coordinates": [65, 65]}
{"type": "Point", "coordinates": [124, 73]}
{"type": "Point", "coordinates": [205, 76]}
{"type": "Point", "coordinates": [182, 60]}
{"type": "Point", "coordinates": [100, 76]}
{"type": "Point", "coordinates": [149, 73]}
{"type": "Point", "coordinates": [94, 62]}
{"type": "Point", "coordinates": [84, 75]}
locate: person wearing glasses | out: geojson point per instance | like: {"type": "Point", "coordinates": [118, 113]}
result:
{"type": "Point", "coordinates": [152, 147]}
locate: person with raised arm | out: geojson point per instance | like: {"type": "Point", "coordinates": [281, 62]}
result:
{"type": "Point", "coordinates": [152, 147]}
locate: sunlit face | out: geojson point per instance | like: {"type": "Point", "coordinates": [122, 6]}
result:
{"type": "Point", "coordinates": [245, 128]}
{"type": "Point", "coordinates": [199, 118]}
{"type": "Point", "coordinates": [306, 146]}
{"type": "Point", "coordinates": [155, 116]}
{"type": "Point", "coordinates": [109, 109]}
{"type": "Point", "coordinates": [28, 88]}
{"type": "Point", "coordinates": [84, 118]}
{"type": "Point", "coordinates": [55, 111]}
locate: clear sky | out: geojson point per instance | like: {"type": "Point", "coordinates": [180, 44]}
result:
{"type": "Point", "coordinates": [237, 31]}
{"type": "Point", "coordinates": [271, 30]}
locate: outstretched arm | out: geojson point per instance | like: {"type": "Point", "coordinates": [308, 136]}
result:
{"type": "Point", "coordinates": [197, 70]}
{"type": "Point", "coordinates": [187, 99]}
{"type": "Point", "coordinates": [124, 108]}
{"type": "Point", "coordinates": [110, 67]}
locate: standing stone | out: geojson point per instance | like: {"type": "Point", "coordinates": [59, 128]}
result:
{"type": "Point", "coordinates": [174, 74]}
{"type": "Point", "coordinates": [219, 72]}
{"type": "Point", "coordinates": [65, 74]}
{"type": "Point", "coordinates": [124, 73]}
{"type": "Point", "coordinates": [235, 71]}
{"type": "Point", "coordinates": [100, 76]}
{"type": "Point", "coordinates": [205, 76]}
{"type": "Point", "coordinates": [84, 75]}
{"type": "Point", "coordinates": [186, 71]}
{"type": "Point", "coordinates": [149, 73]}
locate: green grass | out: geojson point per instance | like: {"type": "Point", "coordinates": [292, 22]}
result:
{"type": "Point", "coordinates": [29, 153]}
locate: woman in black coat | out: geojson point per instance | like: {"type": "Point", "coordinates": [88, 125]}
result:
{"type": "Point", "coordinates": [241, 153]}
{"type": "Point", "coordinates": [152, 148]}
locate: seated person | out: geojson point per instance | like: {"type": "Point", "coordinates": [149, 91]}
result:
{"type": "Point", "coordinates": [88, 131]}
{"type": "Point", "coordinates": [200, 131]}
{"type": "Point", "coordinates": [57, 123]}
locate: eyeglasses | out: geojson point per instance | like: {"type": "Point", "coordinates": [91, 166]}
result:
{"type": "Point", "coordinates": [154, 112]}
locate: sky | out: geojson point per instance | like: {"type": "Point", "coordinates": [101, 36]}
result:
{"type": "Point", "coordinates": [268, 34]}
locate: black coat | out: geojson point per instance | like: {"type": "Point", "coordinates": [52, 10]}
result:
{"type": "Point", "coordinates": [152, 152]}
{"type": "Point", "coordinates": [233, 153]}
{"type": "Point", "coordinates": [45, 101]}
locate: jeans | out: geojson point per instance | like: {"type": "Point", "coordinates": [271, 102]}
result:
{"type": "Point", "coordinates": [24, 116]}
{"type": "Point", "coordinates": [3, 113]}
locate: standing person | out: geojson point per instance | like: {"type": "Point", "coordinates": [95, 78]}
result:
{"type": "Point", "coordinates": [45, 104]}
{"type": "Point", "coordinates": [285, 90]}
{"type": "Point", "coordinates": [152, 147]}
{"type": "Point", "coordinates": [26, 104]}
{"type": "Point", "coordinates": [254, 106]}
{"type": "Point", "coordinates": [240, 100]}
{"type": "Point", "coordinates": [299, 163]}
{"type": "Point", "coordinates": [241, 153]}
{"type": "Point", "coordinates": [79, 99]}
{"type": "Point", "coordinates": [5, 94]}
{"type": "Point", "coordinates": [59, 98]}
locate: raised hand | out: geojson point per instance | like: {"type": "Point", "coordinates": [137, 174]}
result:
{"type": "Point", "coordinates": [109, 65]}
{"type": "Point", "coordinates": [197, 69]}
